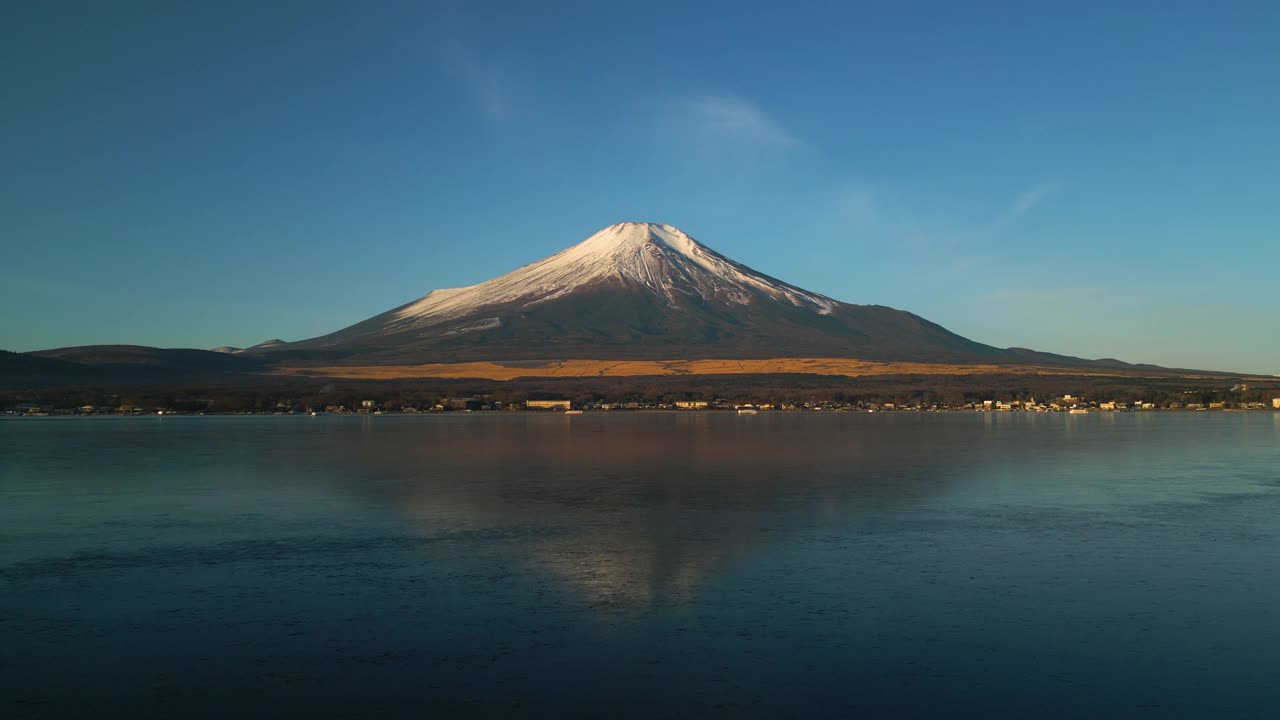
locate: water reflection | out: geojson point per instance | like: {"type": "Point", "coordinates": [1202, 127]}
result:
{"type": "Point", "coordinates": [784, 564]}
{"type": "Point", "coordinates": [634, 510]}
{"type": "Point", "coordinates": [640, 509]}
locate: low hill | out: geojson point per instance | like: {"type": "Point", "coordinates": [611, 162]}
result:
{"type": "Point", "coordinates": [113, 364]}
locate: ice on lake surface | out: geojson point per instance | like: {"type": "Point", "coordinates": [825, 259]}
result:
{"type": "Point", "coordinates": [1106, 565]}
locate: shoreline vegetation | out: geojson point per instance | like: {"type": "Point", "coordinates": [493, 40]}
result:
{"type": "Point", "coordinates": [796, 384]}
{"type": "Point", "coordinates": [370, 401]}
{"type": "Point", "coordinates": [9, 413]}
{"type": "Point", "coordinates": [578, 368]}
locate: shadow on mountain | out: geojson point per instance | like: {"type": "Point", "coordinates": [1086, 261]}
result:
{"type": "Point", "coordinates": [122, 364]}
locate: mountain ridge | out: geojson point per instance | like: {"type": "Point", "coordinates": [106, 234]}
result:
{"type": "Point", "coordinates": [629, 292]}
{"type": "Point", "coordinates": [633, 290]}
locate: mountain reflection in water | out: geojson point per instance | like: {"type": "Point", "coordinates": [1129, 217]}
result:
{"type": "Point", "coordinates": [641, 564]}
{"type": "Point", "coordinates": [644, 511]}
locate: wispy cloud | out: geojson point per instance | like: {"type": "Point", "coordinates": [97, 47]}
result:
{"type": "Point", "coordinates": [731, 118]}
{"type": "Point", "coordinates": [856, 206]}
{"type": "Point", "coordinates": [486, 83]}
{"type": "Point", "coordinates": [1026, 201]}
{"type": "Point", "coordinates": [1029, 199]}
{"type": "Point", "coordinates": [1048, 295]}
{"type": "Point", "coordinates": [943, 235]}
{"type": "Point", "coordinates": [951, 242]}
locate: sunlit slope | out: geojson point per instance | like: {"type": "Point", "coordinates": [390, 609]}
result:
{"type": "Point", "coordinates": [633, 291]}
{"type": "Point", "coordinates": [641, 368]}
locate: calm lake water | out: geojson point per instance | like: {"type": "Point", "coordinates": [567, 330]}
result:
{"type": "Point", "coordinates": [1113, 565]}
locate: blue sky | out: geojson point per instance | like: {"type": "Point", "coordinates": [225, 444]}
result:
{"type": "Point", "coordinates": [1096, 179]}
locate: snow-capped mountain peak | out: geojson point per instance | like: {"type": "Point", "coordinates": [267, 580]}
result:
{"type": "Point", "coordinates": [632, 290]}
{"type": "Point", "coordinates": [659, 259]}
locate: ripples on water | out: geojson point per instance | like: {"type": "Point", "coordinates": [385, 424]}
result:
{"type": "Point", "coordinates": [641, 564]}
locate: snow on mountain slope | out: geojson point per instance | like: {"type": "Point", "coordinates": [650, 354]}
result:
{"type": "Point", "coordinates": [658, 258]}
{"type": "Point", "coordinates": [632, 290]}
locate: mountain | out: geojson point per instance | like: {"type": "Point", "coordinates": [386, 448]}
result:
{"type": "Point", "coordinates": [25, 368]}
{"type": "Point", "coordinates": [634, 291]}
{"type": "Point", "coordinates": [264, 345]}
{"type": "Point", "coordinates": [122, 363]}
{"type": "Point", "coordinates": [642, 293]}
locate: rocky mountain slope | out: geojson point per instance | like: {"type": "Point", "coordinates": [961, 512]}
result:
{"type": "Point", "coordinates": [634, 290]}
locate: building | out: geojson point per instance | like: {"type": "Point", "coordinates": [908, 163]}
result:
{"type": "Point", "coordinates": [548, 404]}
{"type": "Point", "coordinates": [691, 404]}
{"type": "Point", "coordinates": [462, 403]}
{"type": "Point", "coordinates": [1275, 403]}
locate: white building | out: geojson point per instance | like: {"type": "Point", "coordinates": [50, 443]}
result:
{"type": "Point", "coordinates": [548, 404]}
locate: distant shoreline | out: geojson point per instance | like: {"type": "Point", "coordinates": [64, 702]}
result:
{"type": "Point", "coordinates": [649, 411]}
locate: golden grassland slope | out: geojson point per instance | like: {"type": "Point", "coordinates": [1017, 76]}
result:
{"type": "Point", "coordinates": [641, 368]}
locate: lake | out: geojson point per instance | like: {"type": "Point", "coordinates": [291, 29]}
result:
{"type": "Point", "coordinates": [508, 565]}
